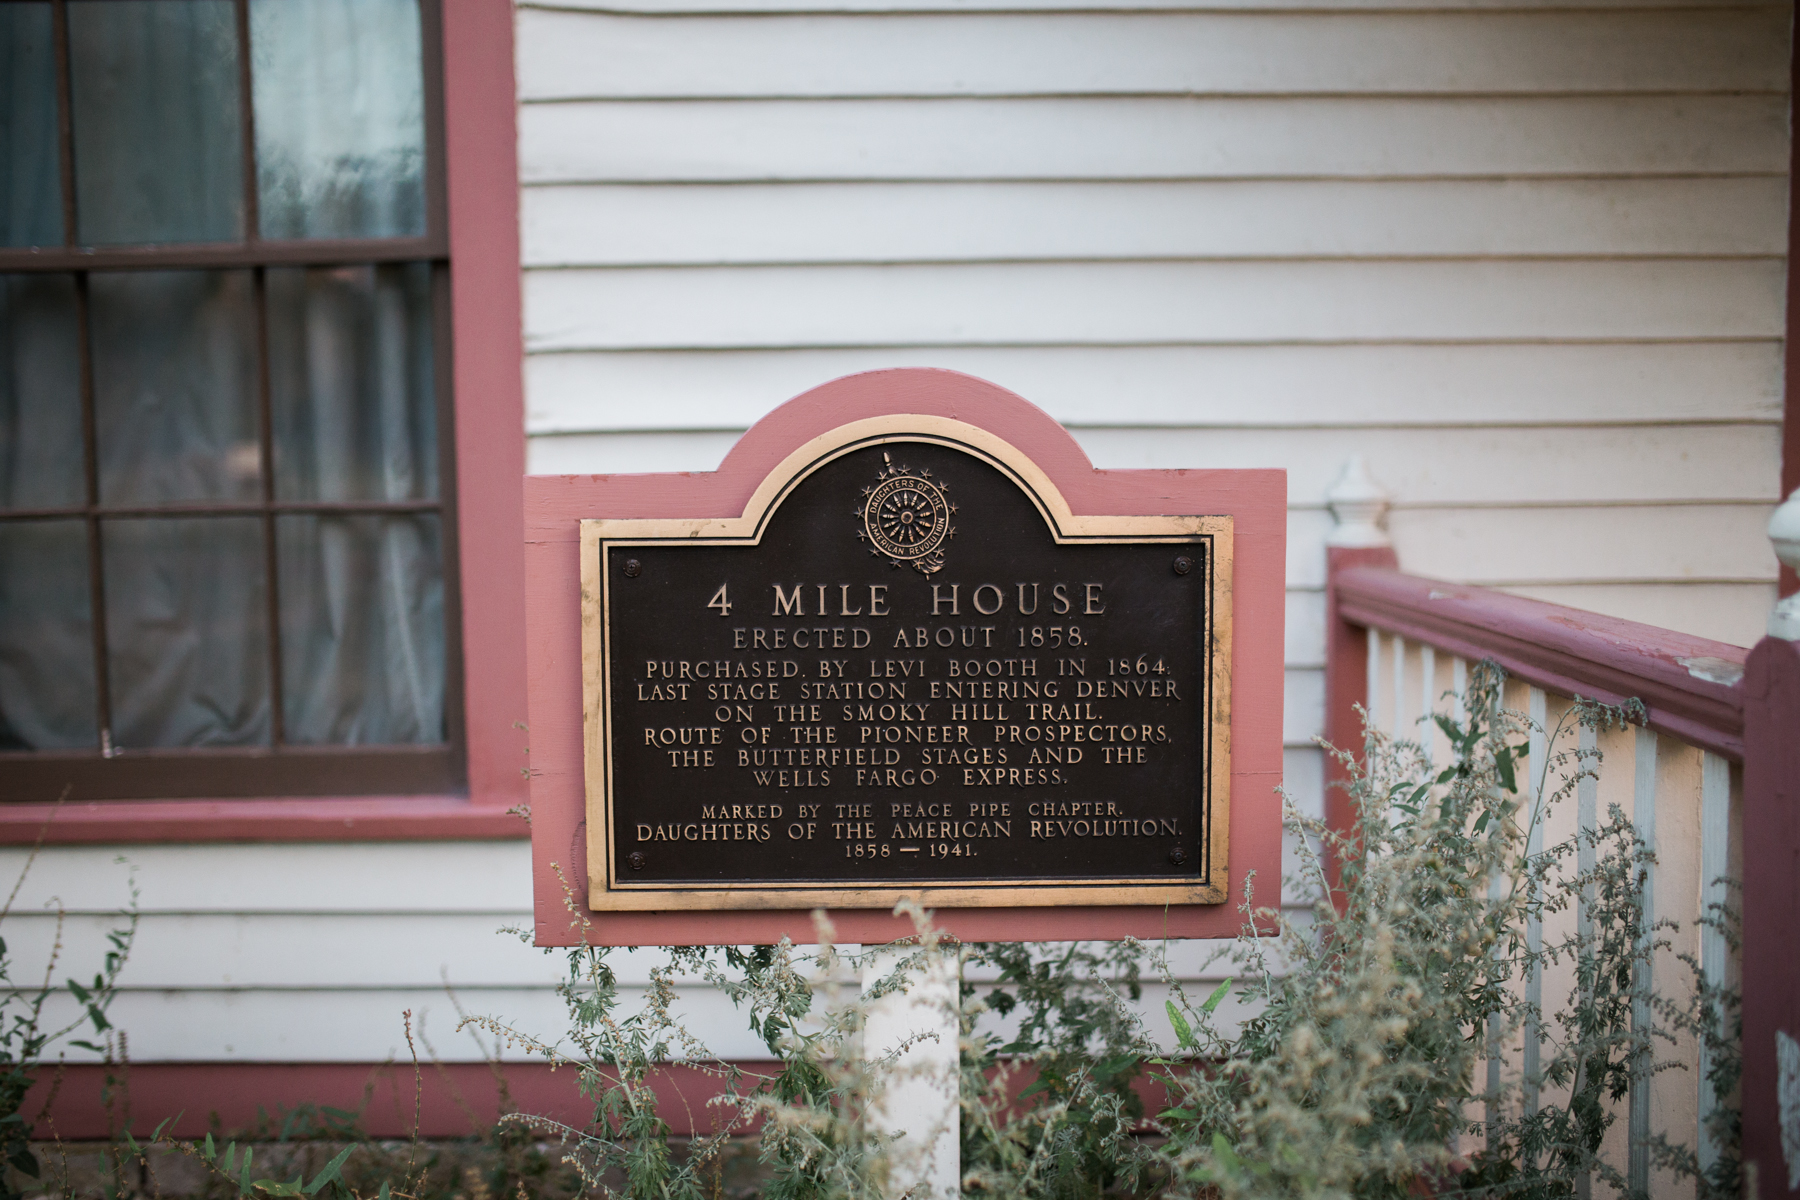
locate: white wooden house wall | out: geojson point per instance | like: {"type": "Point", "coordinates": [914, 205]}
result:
{"type": "Point", "coordinates": [1527, 257]}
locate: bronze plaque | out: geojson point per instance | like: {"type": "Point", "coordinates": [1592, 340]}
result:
{"type": "Point", "coordinates": [907, 670]}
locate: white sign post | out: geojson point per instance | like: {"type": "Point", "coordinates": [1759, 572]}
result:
{"type": "Point", "coordinates": [921, 1099]}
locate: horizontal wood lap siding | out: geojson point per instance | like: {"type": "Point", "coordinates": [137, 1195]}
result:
{"type": "Point", "coordinates": [702, 224]}
{"type": "Point", "coordinates": [1527, 258]}
{"type": "Point", "coordinates": [314, 953]}
{"type": "Point", "coordinates": [668, 7]}
{"type": "Point", "coordinates": [1545, 387]}
{"type": "Point", "coordinates": [577, 56]}
{"type": "Point", "coordinates": [1151, 302]}
{"type": "Point", "coordinates": [1125, 138]}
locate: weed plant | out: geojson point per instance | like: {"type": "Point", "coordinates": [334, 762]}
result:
{"type": "Point", "coordinates": [1398, 1039]}
{"type": "Point", "coordinates": [28, 1035]}
{"type": "Point", "coordinates": [1401, 1039]}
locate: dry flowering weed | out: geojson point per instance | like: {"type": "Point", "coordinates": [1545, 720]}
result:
{"type": "Point", "coordinates": [1387, 1016]}
{"type": "Point", "coordinates": [1375, 1062]}
{"type": "Point", "coordinates": [1378, 1058]}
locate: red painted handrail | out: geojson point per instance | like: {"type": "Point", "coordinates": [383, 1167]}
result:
{"type": "Point", "coordinates": [1690, 685]}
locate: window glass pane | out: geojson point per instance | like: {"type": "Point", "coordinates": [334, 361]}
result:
{"type": "Point", "coordinates": [46, 638]}
{"type": "Point", "coordinates": [175, 385]}
{"type": "Point", "coordinates": [340, 117]}
{"type": "Point", "coordinates": [362, 629]}
{"type": "Point", "coordinates": [41, 460]}
{"type": "Point", "coordinates": [350, 383]}
{"type": "Point", "coordinates": [187, 632]}
{"type": "Point", "coordinates": [158, 139]}
{"type": "Point", "coordinates": [30, 173]}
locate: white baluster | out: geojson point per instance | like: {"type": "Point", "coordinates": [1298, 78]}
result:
{"type": "Point", "coordinates": [1372, 681]}
{"type": "Point", "coordinates": [1643, 816]}
{"type": "Point", "coordinates": [1715, 837]}
{"type": "Point", "coordinates": [1587, 816]}
{"type": "Point", "coordinates": [1427, 700]}
{"type": "Point", "coordinates": [1459, 689]}
{"type": "Point", "coordinates": [1491, 1109]}
{"type": "Point", "coordinates": [1538, 747]}
{"type": "Point", "coordinates": [1397, 719]}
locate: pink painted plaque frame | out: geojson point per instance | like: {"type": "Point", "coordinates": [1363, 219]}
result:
{"type": "Point", "coordinates": [1255, 500]}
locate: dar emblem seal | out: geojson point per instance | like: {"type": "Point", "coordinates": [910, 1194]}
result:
{"type": "Point", "coordinates": [906, 518]}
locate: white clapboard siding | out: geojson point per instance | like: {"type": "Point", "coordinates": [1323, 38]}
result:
{"type": "Point", "coordinates": [1519, 547]}
{"type": "Point", "coordinates": [481, 878]}
{"type": "Point", "coordinates": [709, 7]}
{"type": "Point", "coordinates": [1305, 628]}
{"type": "Point", "coordinates": [1417, 385]}
{"type": "Point", "coordinates": [291, 952]}
{"type": "Point", "coordinates": [704, 224]}
{"type": "Point", "coordinates": [1585, 464]}
{"type": "Point", "coordinates": [204, 1025]}
{"type": "Point", "coordinates": [630, 453]}
{"type": "Point", "coordinates": [1116, 302]}
{"type": "Point", "coordinates": [1138, 138]}
{"type": "Point", "coordinates": [1524, 255]}
{"type": "Point", "coordinates": [1735, 613]}
{"type": "Point", "coordinates": [1302, 705]}
{"type": "Point", "coordinates": [1301, 769]}
{"type": "Point", "coordinates": [1303, 784]}
{"type": "Point", "coordinates": [300, 950]}
{"type": "Point", "coordinates": [565, 55]}
{"type": "Point", "coordinates": [313, 953]}
{"type": "Point", "coordinates": [1654, 543]}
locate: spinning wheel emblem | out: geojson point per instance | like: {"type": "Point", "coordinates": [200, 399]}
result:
{"type": "Point", "coordinates": [906, 517]}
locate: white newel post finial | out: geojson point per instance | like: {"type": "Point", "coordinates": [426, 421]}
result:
{"type": "Point", "coordinates": [1784, 532]}
{"type": "Point", "coordinates": [1359, 506]}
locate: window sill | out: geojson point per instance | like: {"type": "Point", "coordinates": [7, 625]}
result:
{"type": "Point", "coordinates": [270, 819]}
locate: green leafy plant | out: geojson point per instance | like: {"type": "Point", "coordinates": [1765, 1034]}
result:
{"type": "Point", "coordinates": [232, 1165]}
{"type": "Point", "coordinates": [1382, 1021]}
{"type": "Point", "coordinates": [810, 1117]}
{"type": "Point", "coordinates": [28, 1034]}
{"type": "Point", "coordinates": [1054, 1110]}
{"type": "Point", "coordinates": [322, 1150]}
{"type": "Point", "coordinates": [1375, 1048]}
{"type": "Point", "coordinates": [1379, 1056]}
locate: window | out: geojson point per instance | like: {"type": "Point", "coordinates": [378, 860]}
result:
{"type": "Point", "coordinates": [226, 535]}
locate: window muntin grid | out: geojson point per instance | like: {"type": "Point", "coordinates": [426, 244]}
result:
{"type": "Point", "coordinates": [276, 471]}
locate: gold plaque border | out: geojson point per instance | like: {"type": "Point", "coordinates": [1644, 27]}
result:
{"type": "Point", "coordinates": [607, 893]}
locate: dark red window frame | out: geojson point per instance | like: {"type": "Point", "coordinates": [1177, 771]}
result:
{"type": "Point", "coordinates": [473, 220]}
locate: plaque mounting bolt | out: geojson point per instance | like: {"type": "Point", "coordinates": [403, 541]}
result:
{"type": "Point", "coordinates": [633, 568]}
{"type": "Point", "coordinates": [1183, 564]}
{"type": "Point", "coordinates": [1178, 856]}
{"type": "Point", "coordinates": [636, 859]}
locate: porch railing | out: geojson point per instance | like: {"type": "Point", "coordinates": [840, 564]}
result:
{"type": "Point", "coordinates": [1711, 782]}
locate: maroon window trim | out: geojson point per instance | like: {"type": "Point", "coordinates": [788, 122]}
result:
{"type": "Point", "coordinates": [484, 361]}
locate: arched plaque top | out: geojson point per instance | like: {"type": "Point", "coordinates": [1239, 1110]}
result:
{"type": "Point", "coordinates": [915, 391]}
{"type": "Point", "coordinates": [793, 470]}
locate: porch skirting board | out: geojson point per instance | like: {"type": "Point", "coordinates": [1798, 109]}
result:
{"type": "Point", "coordinates": [455, 1100]}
